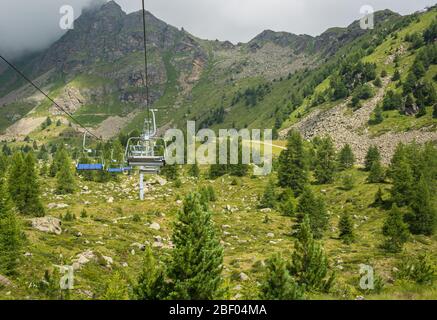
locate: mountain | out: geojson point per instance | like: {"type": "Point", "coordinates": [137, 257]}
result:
{"type": "Point", "coordinates": [95, 71]}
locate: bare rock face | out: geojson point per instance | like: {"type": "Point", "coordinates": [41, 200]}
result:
{"type": "Point", "coordinates": [47, 224]}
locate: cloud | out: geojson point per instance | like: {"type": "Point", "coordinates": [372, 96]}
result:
{"type": "Point", "coordinates": [27, 26]}
{"type": "Point", "coordinates": [33, 25]}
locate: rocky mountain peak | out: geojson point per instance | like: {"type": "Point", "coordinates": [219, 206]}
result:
{"type": "Point", "coordinates": [284, 39]}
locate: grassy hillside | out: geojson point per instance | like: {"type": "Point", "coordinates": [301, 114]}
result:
{"type": "Point", "coordinates": [115, 221]}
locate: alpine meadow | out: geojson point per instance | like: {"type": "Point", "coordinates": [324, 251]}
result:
{"type": "Point", "coordinates": [93, 208]}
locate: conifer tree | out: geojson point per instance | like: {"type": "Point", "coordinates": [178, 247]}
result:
{"type": "Point", "coordinates": [10, 233]}
{"type": "Point", "coordinates": [30, 193]}
{"type": "Point", "coordinates": [378, 201]}
{"type": "Point", "coordinates": [194, 170]}
{"type": "Point", "coordinates": [346, 228]}
{"type": "Point", "coordinates": [15, 179]}
{"type": "Point", "coordinates": [315, 209]}
{"type": "Point", "coordinates": [403, 181]}
{"type": "Point", "coordinates": [379, 117]}
{"type": "Point", "coordinates": [348, 181]}
{"type": "Point", "coordinates": [197, 259]}
{"type": "Point", "coordinates": [65, 178]}
{"type": "Point", "coordinates": [151, 282]}
{"type": "Point", "coordinates": [4, 163]}
{"type": "Point", "coordinates": [346, 158]}
{"type": "Point", "coordinates": [116, 290]}
{"type": "Point", "coordinates": [278, 283]}
{"type": "Point", "coordinates": [372, 156]}
{"type": "Point", "coordinates": [325, 162]}
{"type": "Point", "coordinates": [395, 230]}
{"type": "Point", "coordinates": [376, 174]}
{"type": "Point", "coordinates": [309, 264]}
{"type": "Point", "coordinates": [171, 172]}
{"type": "Point", "coordinates": [286, 205]}
{"type": "Point", "coordinates": [423, 216]}
{"type": "Point", "coordinates": [293, 166]}
{"type": "Point", "coordinates": [57, 160]}
{"type": "Point", "coordinates": [268, 199]}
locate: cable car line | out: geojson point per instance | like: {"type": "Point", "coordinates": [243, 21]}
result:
{"type": "Point", "coordinates": [48, 97]}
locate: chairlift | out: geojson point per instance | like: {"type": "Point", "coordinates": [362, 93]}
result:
{"type": "Point", "coordinates": [118, 168]}
{"type": "Point", "coordinates": [142, 152]}
{"type": "Point", "coordinates": [90, 153]}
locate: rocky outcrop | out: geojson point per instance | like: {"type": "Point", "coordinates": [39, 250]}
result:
{"type": "Point", "coordinates": [350, 127]}
{"type": "Point", "coordinates": [47, 224]}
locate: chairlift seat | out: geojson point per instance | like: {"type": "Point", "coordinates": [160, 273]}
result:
{"type": "Point", "coordinates": [89, 167]}
{"type": "Point", "coordinates": [146, 161]}
{"type": "Point", "coordinates": [149, 170]}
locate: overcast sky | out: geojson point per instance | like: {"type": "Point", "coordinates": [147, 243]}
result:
{"type": "Point", "coordinates": [34, 24]}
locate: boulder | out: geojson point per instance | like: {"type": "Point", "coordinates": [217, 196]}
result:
{"type": "Point", "coordinates": [155, 226]}
{"type": "Point", "coordinates": [5, 282]}
{"type": "Point", "coordinates": [109, 260]}
{"type": "Point", "coordinates": [243, 277]}
{"type": "Point", "coordinates": [140, 246]}
{"type": "Point", "coordinates": [83, 258]}
{"type": "Point", "coordinates": [47, 224]}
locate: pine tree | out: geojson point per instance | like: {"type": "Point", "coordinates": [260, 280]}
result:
{"type": "Point", "coordinates": [278, 283]}
{"type": "Point", "coordinates": [346, 228]}
{"type": "Point", "coordinates": [10, 233]}
{"type": "Point", "coordinates": [348, 181]}
{"type": "Point", "coordinates": [194, 171]}
{"type": "Point", "coordinates": [325, 162]}
{"type": "Point", "coordinates": [379, 201]}
{"type": "Point", "coordinates": [309, 264]}
{"type": "Point", "coordinates": [286, 206]}
{"type": "Point", "coordinates": [403, 181]}
{"type": "Point", "coordinates": [65, 178]}
{"type": "Point", "coordinates": [197, 259]}
{"type": "Point", "coordinates": [379, 117]}
{"type": "Point", "coordinates": [376, 174]}
{"type": "Point", "coordinates": [346, 158]}
{"type": "Point", "coordinates": [151, 282]}
{"type": "Point", "coordinates": [396, 75]}
{"type": "Point", "coordinates": [171, 172]}
{"type": "Point", "coordinates": [15, 179]}
{"type": "Point", "coordinates": [315, 209]}
{"type": "Point", "coordinates": [423, 216]}
{"type": "Point", "coordinates": [4, 164]}
{"type": "Point", "coordinates": [30, 193]}
{"type": "Point", "coordinates": [116, 290]}
{"type": "Point", "coordinates": [395, 230]}
{"type": "Point", "coordinates": [293, 167]}
{"type": "Point", "coordinates": [372, 156]}
{"type": "Point", "coordinates": [268, 199]}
